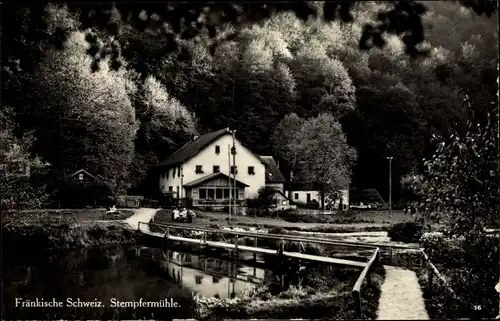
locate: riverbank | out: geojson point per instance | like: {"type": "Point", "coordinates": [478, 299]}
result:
{"type": "Point", "coordinates": [326, 291]}
{"type": "Point", "coordinates": [64, 230]}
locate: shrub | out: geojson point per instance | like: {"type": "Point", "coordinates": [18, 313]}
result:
{"type": "Point", "coordinates": [470, 266]}
{"type": "Point", "coordinates": [409, 232]}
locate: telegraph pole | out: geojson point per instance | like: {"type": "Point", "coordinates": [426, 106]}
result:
{"type": "Point", "coordinates": [229, 181]}
{"type": "Point", "coordinates": [233, 151]}
{"type": "Point", "coordinates": [390, 186]}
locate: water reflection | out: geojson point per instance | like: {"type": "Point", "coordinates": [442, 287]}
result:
{"type": "Point", "coordinates": [124, 273]}
{"type": "Point", "coordinates": [208, 276]}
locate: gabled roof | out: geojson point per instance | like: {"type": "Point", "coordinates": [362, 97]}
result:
{"type": "Point", "coordinates": [193, 147]}
{"type": "Point", "coordinates": [273, 174]}
{"type": "Point", "coordinates": [81, 171]}
{"type": "Point", "coordinates": [212, 176]}
{"type": "Point", "coordinates": [278, 192]}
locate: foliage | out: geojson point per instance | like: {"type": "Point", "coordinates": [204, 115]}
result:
{"type": "Point", "coordinates": [270, 62]}
{"type": "Point", "coordinates": [24, 187]}
{"type": "Point", "coordinates": [81, 119]}
{"type": "Point", "coordinates": [321, 149]}
{"type": "Point", "coordinates": [461, 180]}
{"type": "Point", "coordinates": [409, 232]}
{"type": "Point", "coordinates": [470, 267]}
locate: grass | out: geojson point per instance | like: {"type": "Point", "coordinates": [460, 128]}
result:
{"type": "Point", "coordinates": [321, 223]}
{"type": "Point", "coordinates": [62, 216]}
{"type": "Point", "coordinates": [324, 292]}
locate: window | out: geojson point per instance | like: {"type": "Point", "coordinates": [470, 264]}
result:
{"type": "Point", "coordinates": [217, 149]}
{"type": "Point", "coordinates": [296, 196]}
{"type": "Point", "coordinates": [199, 169]}
{"type": "Point", "coordinates": [216, 169]}
{"type": "Point", "coordinates": [170, 188]}
{"type": "Point", "coordinates": [166, 174]}
{"type": "Point", "coordinates": [203, 193]}
{"type": "Point", "coordinates": [80, 177]}
{"type": "Point", "coordinates": [308, 197]}
{"type": "Point", "coordinates": [211, 193]}
{"type": "Point", "coordinates": [173, 172]}
{"type": "Point", "coordinates": [226, 193]}
{"type": "Point", "coordinates": [251, 170]}
{"type": "Point", "coordinates": [233, 169]}
{"type": "Point", "coordinates": [178, 192]}
{"type": "Point", "coordinates": [218, 193]}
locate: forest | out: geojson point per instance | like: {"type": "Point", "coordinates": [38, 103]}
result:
{"type": "Point", "coordinates": [84, 87]}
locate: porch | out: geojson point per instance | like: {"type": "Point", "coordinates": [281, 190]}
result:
{"type": "Point", "coordinates": [214, 190]}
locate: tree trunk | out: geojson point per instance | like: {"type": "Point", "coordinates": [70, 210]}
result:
{"type": "Point", "coordinates": [322, 194]}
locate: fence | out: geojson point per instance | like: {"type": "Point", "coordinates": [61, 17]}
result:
{"type": "Point", "coordinates": [365, 274]}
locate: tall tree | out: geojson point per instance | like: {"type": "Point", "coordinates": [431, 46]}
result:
{"type": "Point", "coordinates": [327, 158]}
{"type": "Point", "coordinates": [81, 119]}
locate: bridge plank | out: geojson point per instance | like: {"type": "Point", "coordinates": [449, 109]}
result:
{"type": "Point", "coordinates": [297, 255]}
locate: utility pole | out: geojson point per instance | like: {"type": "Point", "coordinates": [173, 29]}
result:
{"type": "Point", "coordinates": [390, 186]}
{"type": "Point", "coordinates": [233, 151]}
{"type": "Point", "coordinates": [182, 184]}
{"type": "Point", "coordinates": [229, 181]}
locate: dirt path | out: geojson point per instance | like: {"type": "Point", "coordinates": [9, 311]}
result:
{"type": "Point", "coordinates": [141, 215]}
{"type": "Point", "coordinates": [401, 297]}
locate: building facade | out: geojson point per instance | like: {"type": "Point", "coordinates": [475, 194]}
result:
{"type": "Point", "coordinates": [202, 170]}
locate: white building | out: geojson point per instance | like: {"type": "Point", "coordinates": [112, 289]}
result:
{"type": "Point", "coordinates": [200, 170]}
{"type": "Point", "coordinates": [302, 195]}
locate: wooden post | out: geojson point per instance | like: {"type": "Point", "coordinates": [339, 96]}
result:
{"type": "Point", "coordinates": [357, 303]}
{"type": "Point", "coordinates": [255, 254]}
{"type": "Point", "coordinates": [236, 246]}
{"type": "Point", "coordinates": [282, 246]}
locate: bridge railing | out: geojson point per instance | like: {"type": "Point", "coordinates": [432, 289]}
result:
{"type": "Point", "coordinates": [285, 237]}
{"type": "Point", "coordinates": [365, 274]}
{"type": "Point", "coordinates": [433, 271]}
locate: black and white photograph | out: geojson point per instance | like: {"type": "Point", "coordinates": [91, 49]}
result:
{"type": "Point", "coordinates": [230, 160]}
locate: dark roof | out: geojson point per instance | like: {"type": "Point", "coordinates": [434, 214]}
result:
{"type": "Point", "coordinates": [273, 174]}
{"type": "Point", "coordinates": [207, 178]}
{"type": "Point", "coordinates": [193, 147]}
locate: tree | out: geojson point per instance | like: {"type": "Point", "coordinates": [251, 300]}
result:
{"type": "Point", "coordinates": [461, 179]}
{"type": "Point", "coordinates": [286, 144]}
{"type": "Point", "coordinates": [81, 119]}
{"type": "Point", "coordinates": [327, 158]}
{"type": "Point", "coordinates": [21, 174]}
{"type": "Point", "coordinates": [318, 149]}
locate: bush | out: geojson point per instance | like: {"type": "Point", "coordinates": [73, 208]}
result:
{"type": "Point", "coordinates": [447, 251]}
{"type": "Point", "coordinates": [408, 232]}
{"type": "Point", "coordinates": [470, 266]}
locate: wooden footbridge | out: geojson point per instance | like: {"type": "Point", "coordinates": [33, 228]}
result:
{"type": "Point", "coordinates": [233, 245]}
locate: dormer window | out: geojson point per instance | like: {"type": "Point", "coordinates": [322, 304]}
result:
{"type": "Point", "coordinates": [217, 149]}
{"type": "Point", "coordinates": [80, 176]}
{"type": "Point", "coordinates": [199, 169]}
{"type": "Point", "coordinates": [251, 170]}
